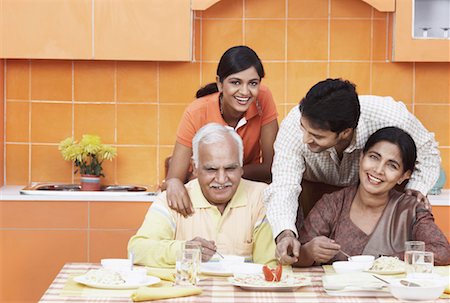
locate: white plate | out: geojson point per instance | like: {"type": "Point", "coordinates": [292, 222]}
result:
{"type": "Point", "coordinates": [386, 272]}
{"type": "Point", "coordinates": [149, 280]}
{"type": "Point", "coordinates": [214, 269]}
{"type": "Point", "coordinates": [257, 283]}
{"type": "Point", "coordinates": [358, 293]}
{"type": "Point", "coordinates": [217, 269]}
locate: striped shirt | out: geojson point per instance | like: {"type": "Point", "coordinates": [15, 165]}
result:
{"type": "Point", "coordinates": [293, 160]}
{"type": "Point", "coordinates": [241, 230]}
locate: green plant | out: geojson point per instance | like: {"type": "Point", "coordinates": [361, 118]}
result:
{"type": "Point", "coordinates": [87, 155]}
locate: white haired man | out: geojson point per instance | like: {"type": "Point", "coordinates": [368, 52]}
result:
{"type": "Point", "coordinates": [229, 212]}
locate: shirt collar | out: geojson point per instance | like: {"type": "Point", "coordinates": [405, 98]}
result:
{"type": "Point", "coordinates": [199, 201]}
{"type": "Point", "coordinates": [213, 109]}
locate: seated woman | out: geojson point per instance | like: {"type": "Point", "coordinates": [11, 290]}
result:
{"type": "Point", "coordinates": [373, 218]}
{"type": "Point", "coordinates": [237, 100]}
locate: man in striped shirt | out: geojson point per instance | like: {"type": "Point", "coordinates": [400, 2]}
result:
{"type": "Point", "coordinates": [229, 212]}
{"type": "Point", "coordinates": [321, 141]}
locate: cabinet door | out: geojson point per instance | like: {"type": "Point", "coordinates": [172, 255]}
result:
{"type": "Point", "coordinates": [142, 30]}
{"type": "Point", "coordinates": [47, 29]}
{"type": "Point", "coordinates": [406, 48]}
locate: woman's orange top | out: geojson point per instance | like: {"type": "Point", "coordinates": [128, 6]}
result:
{"type": "Point", "coordinates": [206, 109]}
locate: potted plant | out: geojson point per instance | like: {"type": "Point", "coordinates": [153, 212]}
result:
{"type": "Point", "coordinates": [88, 156]}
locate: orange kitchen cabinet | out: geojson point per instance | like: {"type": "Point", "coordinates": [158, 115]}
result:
{"type": "Point", "coordinates": [407, 48]}
{"type": "Point", "coordinates": [46, 29]}
{"type": "Point", "coordinates": [382, 5]}
{"type": "Point", "coordinates": [155, 30]}
{"type": "Point", "coordinates": [111, 226]}
{"type": "Point", "coordinates": [39, 237]}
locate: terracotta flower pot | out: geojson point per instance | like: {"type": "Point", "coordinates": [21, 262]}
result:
{"type": "Point", "coordinates": [90, 182]}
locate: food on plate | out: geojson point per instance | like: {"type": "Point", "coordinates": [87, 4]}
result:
{"type": "Point", "coordinates": [447, 289]}
{"type": "Point", "coordinates": [273, 275]}
{"type": "Point", "coordinates": [104, 276]}
{"type": "Point", "coordinates": [388, 264]}
{"type": "Point", "coordinates": [259, 280]}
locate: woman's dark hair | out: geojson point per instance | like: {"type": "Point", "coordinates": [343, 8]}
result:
{"type": "Point", "coordinates": [398, 137]}
{"type": "Point", "coordinates": [332, 104]}
{"type": "Point", "coordinates": [234, 60]}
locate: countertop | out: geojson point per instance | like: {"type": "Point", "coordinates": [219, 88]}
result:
{"type": "Point", "coordinates": [12, 193]}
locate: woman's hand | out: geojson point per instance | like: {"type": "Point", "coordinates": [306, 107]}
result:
{"type": "Point", "coordinates": [178, 198]}
{"type": "Point", "coordinates": [321, 249]}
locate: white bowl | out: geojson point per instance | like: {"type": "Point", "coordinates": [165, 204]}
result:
{"type": "Point", "coordinates": [116, 264]}
{"type": "Point", "coordinates": [231, 261]}
{"type": "Point", "coordinates": [366, 261]}
{"type": "Point", "coordinates": [135, 276]}
{"type": "Point", "coordinates": [430, 289]}
{"type": "Point", "coordinates": [342, 267]}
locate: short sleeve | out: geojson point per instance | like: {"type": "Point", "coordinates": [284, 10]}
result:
{"type": "Point", "coordinates": [186, 128]}
{"type": "Point", "coordinates": [269, 109]}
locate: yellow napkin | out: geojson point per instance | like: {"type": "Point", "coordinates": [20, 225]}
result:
{"type": "Point", "coordinates": [158, 293]}
{"type": "Point", "coordinates": [167, 274]}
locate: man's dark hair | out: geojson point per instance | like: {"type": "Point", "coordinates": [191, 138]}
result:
{"type": "Point", "coordinates": [332, 105]}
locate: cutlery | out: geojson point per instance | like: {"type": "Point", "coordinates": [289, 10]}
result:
{"type": "Point", "coordinates": [409, 284]}
{"type": "Point", "coordinates": [345, 254]}
{"type": "Point", "coordinates": [383, 280]}
{"type": "Point", "coordinates": [215, 251]}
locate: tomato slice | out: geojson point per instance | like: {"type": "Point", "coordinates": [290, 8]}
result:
{"type": "Point", "coordinates": [273, 275]}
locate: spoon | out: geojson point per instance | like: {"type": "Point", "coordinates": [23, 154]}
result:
{"type": "Point", "coordinates": [383, 280]}
{"type": "Point", "coordinates": [402, 282]}
{"type": "Point", "coordinates": [345, 254]}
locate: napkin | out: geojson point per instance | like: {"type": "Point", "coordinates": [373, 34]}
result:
{"type": "Point", "coordinates": [159, 293]}
{"type": "Point", "coordinates": [167, 274]}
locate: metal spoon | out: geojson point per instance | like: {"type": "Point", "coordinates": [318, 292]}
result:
{"type": "Point", "coordinates": [409, 284]}
{"type": "Point", "coordinates": [345, 254]}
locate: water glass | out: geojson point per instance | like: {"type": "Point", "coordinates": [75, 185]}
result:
{"type": "Point", "coordinates": [419, 263]}
{"type": "Point", "coordinates": [187, 266]}
{"type": "Point", "coordinates": [414, 246]}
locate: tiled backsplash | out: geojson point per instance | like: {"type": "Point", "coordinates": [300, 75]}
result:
{"type": "Point", "coordinates": [137, 105]}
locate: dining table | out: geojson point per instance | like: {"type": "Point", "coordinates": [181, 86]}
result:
{"type": "Point", "coordinates": [214, 290]}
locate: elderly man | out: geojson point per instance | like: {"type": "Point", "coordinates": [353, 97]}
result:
{"type": "Point", "coordinates": [229, 213]}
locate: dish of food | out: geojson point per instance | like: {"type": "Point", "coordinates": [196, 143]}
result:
{"type": "Point", "coordinates": [258, 283]}
{"type": "Point", "coordinates": [218, 269]}
{"type": "Point", "coordinates": [108, 279]}
{"type": "Point", "coordinates": [214, 269]}
{"type": "Point", "coordinates": [387, 266]}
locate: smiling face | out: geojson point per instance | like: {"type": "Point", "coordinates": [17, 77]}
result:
{"type": "Point", "coordinates": [381, 168]}
{"type": "Point", "coordinates": [218, 171]}
{"type": "Point", "coordinates": [318, 139]}
{"type": "Point", "coordinates": [239, 91]}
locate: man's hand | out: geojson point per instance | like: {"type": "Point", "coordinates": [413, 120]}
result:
{"type": "Point", "coordinates": [288, 247]}
{"type": "Point", "coordinates": [321, 249]}
{"type": "Point", "coordinates": [420, 197]}
{"type": "Point", "coordinates": [208, 248]}
{"type": "Point", "coordinates": [178, 198]}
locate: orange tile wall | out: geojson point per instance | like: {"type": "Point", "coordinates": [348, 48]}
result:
{"type": "Point", "coordinates": [2, 117]}
{"type": "Point", "coordinates": [137, 105]}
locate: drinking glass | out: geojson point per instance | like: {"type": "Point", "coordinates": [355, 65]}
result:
{"type": "Point", "coordinates": [187, 267]}
{"type": "Point", "coordinates": [198, 246]}
{"type": "Point", "coordinates": [419, 263]}
{"type": "Point", "coordinates": [414, 246]}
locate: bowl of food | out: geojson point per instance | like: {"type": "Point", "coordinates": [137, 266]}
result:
{"type": "Point", "coordinates": [343, 267]}
{"type": "Point", "coordinates": [417, 289]}
{"type": "Point", "coordinates": [366, 261]}
{"type": "Point", "coordinates": [116, 264]}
